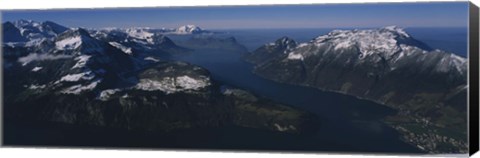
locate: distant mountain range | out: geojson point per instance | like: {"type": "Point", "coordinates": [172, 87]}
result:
{"type": "Point", "coordinates": [385, 65]}
{"type": "Point", "coordinates": [147, 31]}
{"type": "Point", "coordinates": [29, 31]}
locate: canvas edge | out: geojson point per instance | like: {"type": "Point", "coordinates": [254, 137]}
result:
{"type": "Point", "coordinates": [473, 79]}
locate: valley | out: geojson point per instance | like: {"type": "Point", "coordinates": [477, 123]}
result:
{"type": "Point", "coordinates": [175, 83]}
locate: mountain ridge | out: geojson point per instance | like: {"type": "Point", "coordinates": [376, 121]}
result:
{"type": "Point", "coordinates": [385, 65]}
{"type": "Point", "coordinates": [122, 79]}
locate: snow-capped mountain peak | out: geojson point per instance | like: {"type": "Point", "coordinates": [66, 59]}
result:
{"type": "Point", "coordinates": [385, 41]}
{"type": "Point", "coordinates": [367, 41]}
{"type": "Point", "coordinates": [139, 33]}
{"type": "Point", "coordinates": [188, 29]}
{"type": "Point", "coordinates": [396, 29]}
{"type": "Point", "coordinates": [23, 23]}
{"type": "Point", "coordinates": [31, 31]}
{"type": "Point", "coordinates": [384, 46]}
{"type": "Point", "coordinates": [76, 39]}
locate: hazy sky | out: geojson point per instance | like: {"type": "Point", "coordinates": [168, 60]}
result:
{"type": "Point", "coordinates": [444, 14]}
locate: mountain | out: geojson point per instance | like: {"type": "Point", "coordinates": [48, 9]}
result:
{"type": "Point", "coordinates": [165, 97]}
{"type": "Point", "coordinates": [140, 42]}
{"type": "Point", "coordinates": [147, 32]}
{"type": "Point", "coordinates": [72, 63]}
{"type": "Point", "coordinates": [12, 33]}
{"type": "Point", "coordinates": [53, 27]}
{"type": "Point", "coordinates": [189, 29]}
{"type": "Point", "coordinates": [23, 37]}
{"type": "Point", "coordinates": [31, 31]}
{"type": "Point", "coordinates": [270, 50]}
{"type": "Point", "coordinates": [78, 41]}
{"type": "Point", "coordinates": [385, 65]}
{"type": "Point", "coordinates": [118, 79]}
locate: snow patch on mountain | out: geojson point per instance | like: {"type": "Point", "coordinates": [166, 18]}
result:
{"type": "Point", "coordinates": [459, 62]}
{"type": "Point", "coordinates": [105, 94]}
{"type": "Point", "coordinates": [35, 42]}
{"type": "Point", "coordinates": [284, 128]}
{"type": "Point", "coordinates": [88, 75]}
{"type": "Point", "coordinates": [295, 56]}
{"type": "Point", "coordinates": [452, 61]}
{"type": "Point", "coordinates": [35, 69]}
{"type": "Point", "coordinates": [187, 82]}
{"type": "Point", "coordinates": [81, 61]}
{"type": "Point", "coordinates": [40, 57]}
{"type": "Point", "coordinates": [125, 49]}
{"type": "Point", "coordinates": [77, 89]}
{"type": "Point", "coordinates": [69, 43]}
{"type": "Point", "coordinates": [151, 59]}
{"type": "Point", "coordinates": [35, 86]}
{"type": "Point", "coordinates": [78, 41]}
{"type": "Point", "coordinates": [173, 84]}
{"type": "Point", "coordinates": [406, 51]}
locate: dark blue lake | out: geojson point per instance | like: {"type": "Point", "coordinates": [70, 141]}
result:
{"type": "Point", "coordinates": [348, 121]}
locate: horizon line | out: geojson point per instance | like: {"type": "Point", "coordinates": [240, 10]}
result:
{"type": "Point", "coordinates": [244, 28]}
